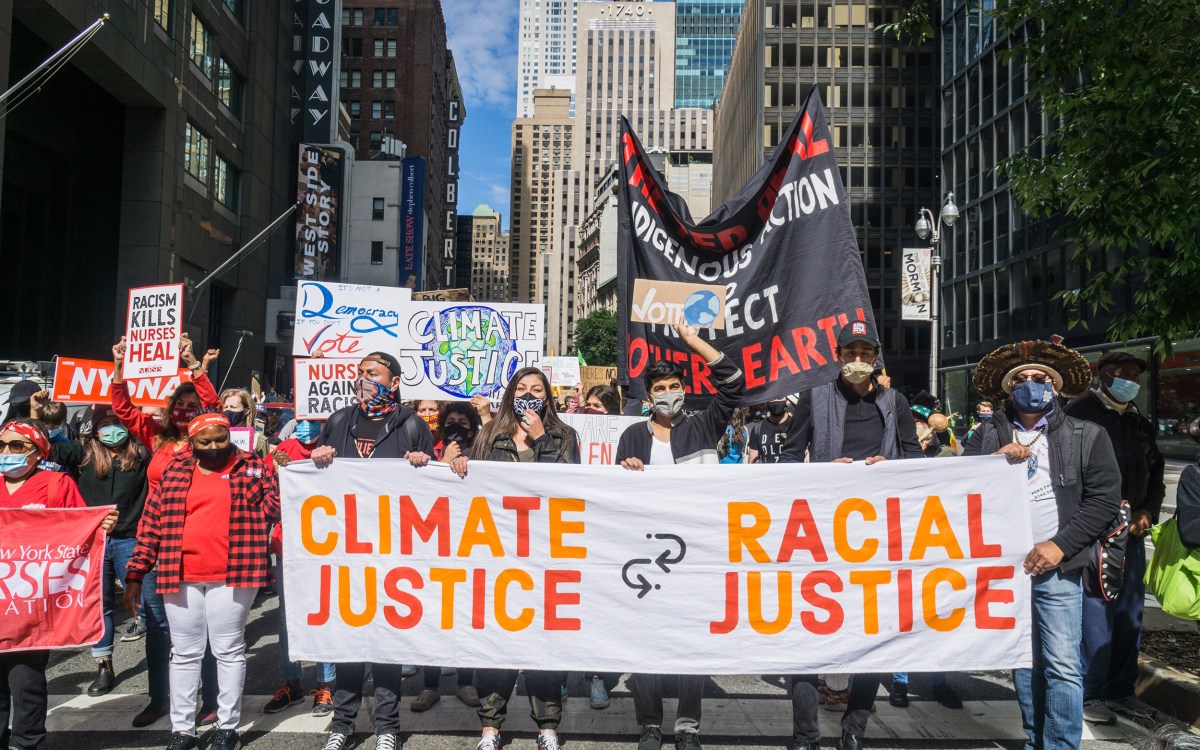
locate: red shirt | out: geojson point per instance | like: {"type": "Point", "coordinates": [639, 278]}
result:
{"type": "Point", "coordinates": [206, 527]}
{"type": "Point", "coordinates": [37, 492]}
{"type": "Point", "coordinates": [295, 450]}
{"type": "Point", "coordinates": [158, 462]}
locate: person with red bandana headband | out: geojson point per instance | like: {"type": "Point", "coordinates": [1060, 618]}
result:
{"type": "Point", "coordinates": [204, 531]}
{"type": "Point", "coordinates": [23, 446]}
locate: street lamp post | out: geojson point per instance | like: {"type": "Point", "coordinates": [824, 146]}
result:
{"type": "Point", "coordinates": [931, 229]}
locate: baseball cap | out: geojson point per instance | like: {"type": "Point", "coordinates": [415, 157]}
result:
{"type": "Point", "coordinates": [858, 330]}
{"type": "Point", "coordinates": [22, 390]}
{"type": "Point", "coordinates": [387, 360]}
{"type": "Point", "coordinates": [1120, 358]}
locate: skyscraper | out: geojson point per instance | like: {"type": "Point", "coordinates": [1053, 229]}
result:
{"type": "Point", "coordinates": [705, 31]}
{"type": "Point", "coordinates": [489, 256]}
{"type": "Point", "coordinates": [545, 49]}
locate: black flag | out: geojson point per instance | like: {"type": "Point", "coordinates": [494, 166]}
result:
{"type": "Point", "coordinates": [783, 247]}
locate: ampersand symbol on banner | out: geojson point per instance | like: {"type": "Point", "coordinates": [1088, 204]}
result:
{"type": "Point", "coordinates": [664, 560]}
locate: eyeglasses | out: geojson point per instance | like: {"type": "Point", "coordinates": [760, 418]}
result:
{"type": "Point", "coordinates": [16, 446]}
{"type": "Point", "coordinates": [1041, 378]}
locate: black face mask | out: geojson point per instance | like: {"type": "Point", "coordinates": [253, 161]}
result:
{"type": "Point", "coordinates": [212, 458]}
{"type": "Point", "coordinates": [776, 408]}
{"type": "Point", "coordinates": [453, 432]}
{"type": "Point", "coordinates": [236, 418]}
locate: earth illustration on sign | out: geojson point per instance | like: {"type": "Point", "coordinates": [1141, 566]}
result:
{"type": "Point", "coordinates": [701, 308]}
{"type": "Point", "coordinates": [461, 331]}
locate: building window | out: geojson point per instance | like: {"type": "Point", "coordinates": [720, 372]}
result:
{"type": "Point", "coordinates": [385, 48]}
{"type": "Point", "coordinates": [377, 209]}
{"type": "Point", "coordinates": [354, 108]}
{"type": "Point", "coordinates": [376, 110]}
{"type": "Point", "coordinates": [387, 16]}
{"type": "Point", "coordinates": [229, 86]}
{"type": "Point", "coordinates": [201, 47]}
{"type": "Point", "coordinates": [376, 138]}
{"type": "Point", "coordinates": [351, 46]}
{"type": "Point", "coordinates": [377, 253]}
{"type": "Point", "coordinates": [236, 7]}
{"type": "Point", "coordinates": [225, 183]}
{"type": "Point", "coordinates": [195, 153]}
{"type": "Point", "coordinates": [162, 13]}
{"type": "Point", "coordinates": [352, 17]}
{"type": "Point", "coordinates": [389, 110]}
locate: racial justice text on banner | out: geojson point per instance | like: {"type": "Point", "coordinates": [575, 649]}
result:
{"type": "Point", "coordinates": [783, 247]}
{"type": "Point", "coordinates": [323, 386]}
{"type": "Point", "coordinates": [347, 320]}
{"type": "Point", "coordinates": [152, 330]}
{"type": "Point", "coordinates": [780, 568]}
{"type": "Point", "coordinates": [89, 381]}
{"type": "Point", "coordinates": [599, 435]}
{"type": "Point", "coordinates": [51, 566]}
{"type": "Point", "coordinates": [915, 297]}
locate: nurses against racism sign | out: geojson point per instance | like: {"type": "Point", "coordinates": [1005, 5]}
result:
{"type": "Point", "coordinates": [324, 385]}
{"type": "Point", "coordinates": [51, 563]}
{"type": "Point", "coordinates": [783, 248]}
{"type": "Point", "coordinates": [152, 330]}
{"type": "Point", "coordinates": [812, 568]}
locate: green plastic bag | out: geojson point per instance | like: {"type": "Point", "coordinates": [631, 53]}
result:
{"type": "Point", "coordinates": [1173, 574]}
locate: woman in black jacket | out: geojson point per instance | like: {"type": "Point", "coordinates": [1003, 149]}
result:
{"type": "Point", "coordinates": [525, 430]}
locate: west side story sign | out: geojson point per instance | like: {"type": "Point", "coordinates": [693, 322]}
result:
{"type": "Point", "coordinates": [315, 67]}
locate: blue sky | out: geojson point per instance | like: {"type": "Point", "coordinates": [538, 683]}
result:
{"type": "Point", "coordinates": [483, 36]}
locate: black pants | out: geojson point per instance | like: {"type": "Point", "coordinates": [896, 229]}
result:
{"type": "Point", "coordinates": [23, 687]}
{"type": "Point", "coordinates": [495, 688]}
{"type": "Point", "coordinates": [433, 676]}
{"type": "Point", "coordinates": [858, 707]}
{"type": "Point", "coordinates": [648, 700]}
{"type": "Point", "coordinates": [348, 697]}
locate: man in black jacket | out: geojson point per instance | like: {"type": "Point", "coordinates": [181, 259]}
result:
{"type": "Point", "coordinates": [1074, 490]}
{"type": "Point", "coordinates": [1112, 630]}
{"type": "Point", "coordinates": [669, 437]}
{"type": "Point", "coordinates": [378, 426]}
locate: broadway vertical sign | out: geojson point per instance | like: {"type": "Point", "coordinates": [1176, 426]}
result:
{"type": "Point", "coordinates": [783, 248]}
{"type": "Point", "coordinates": [314, 93]}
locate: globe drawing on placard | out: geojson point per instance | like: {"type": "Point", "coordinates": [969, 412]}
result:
{"type": "Point", "coordinates": [701, 308]}
{"type": "Point", "coordinates": [462, 330]}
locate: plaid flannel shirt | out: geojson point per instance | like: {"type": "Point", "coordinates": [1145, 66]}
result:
{"type": "Point", "coordinates": [255, 504]}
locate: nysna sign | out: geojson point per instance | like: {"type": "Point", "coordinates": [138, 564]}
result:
{"type": "Point", "coordinates": [89, 381]}
{"type": "Point", "coordinates": [781, 569]}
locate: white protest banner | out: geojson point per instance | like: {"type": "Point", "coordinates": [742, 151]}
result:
{"type": "Point", "coordinates": [347, 320]}
{"type": "Point", "coordinates": [152, 330]}
{"type": "Point", "coordinates": [564, 371]}
{"type": "Point", "coordinates": [450, 351]}
{"type": "Point", "coordinates": [599, 435]}
{"type": "Point", "coordinates": [914, 284]}
{"type": "Point", "coordinates": [716, 569]}
{"type": "Point", "coordinates": [323, 386]}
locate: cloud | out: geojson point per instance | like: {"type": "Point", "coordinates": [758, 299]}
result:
{"type": "Point", "coordinates": [483, 36]}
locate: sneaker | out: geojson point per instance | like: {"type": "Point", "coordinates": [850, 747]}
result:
{"type": "Point", "coordinates": [1095, 712]}
{"type": "Point", "coordinates": [135, 632]}
{"type": "Point", "coordinates": [899, 694]}
{"type": "Point", "coordinates": [285, 697]}
{"type": "Point", "coordinates": [407, 670]}
{"type": "Point", "coordinates": [336, 741]}
{"type": "Point", "coordinates": [1134, 708]}
{"type": "Point", "coordinates": [547, 742]}
{"type": "Point", "coordinates": [598, 697]}
{"type": "Point", "coordinates": [651, 739]}
{"type": "Point", "coordinates": [322, 701]}
{"type": "Point", "coordinates": [387, 742]}
{"type": "Point", "coordinates": [489, 742]}
{"type": "Point", "coordinates": [225, 739]}
{"type": "Point", "coordinates": [468, 695]}
{"type": "Point", "coordinates": [182, 741]}
{"type": "Point", "coordinates": [206, 716]}
{"type": "Point", "coordinates": [149, 715]}
{"type": "Point", "coordinates": [425, 700]}
{"type": "Point", "coordinates": [687, 741]}
{"type": "Point", "coordinates": [944, 694]}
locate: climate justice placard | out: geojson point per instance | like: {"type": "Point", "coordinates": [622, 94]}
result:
{"type": "Point", "coordinates": [779, 568]}
{"type": "Point", "coordinates": [152, 330]}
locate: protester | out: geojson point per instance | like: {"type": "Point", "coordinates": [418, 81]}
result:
{"type": "Point", "coordinates": [1112, 630]}
{"type": "Point", "coordinates": [377, 426]}
{"type": "Point", "coordinates": [241, 410]}
{"type": "Point", "coordinates": [204, 532]}
{"type": "Point", "coordinates": [1074, 488]}
{"type": "Point", "coordinates": [460, 425]}
{"type": "Point", "coordinates": [430, 411]}
{"type": "Point", "coordinates": [733, 447]}
{"type": "Point", "coordinates": [767, 436]}
{"type": "Point", "coordinates": [670, 437]}
{"type": "Point", "coordinates": [18, 400]}
{"type": "Point", "coordinates": [983, 413]}
{"type": "Point", "coordinates": [526, 429]}
{"type": "Point", "coordinates": [853, 418]}
{"type": "Point", "coordinates": [603, 399]}
{"type": "Point", "coordinates": [23, 691]}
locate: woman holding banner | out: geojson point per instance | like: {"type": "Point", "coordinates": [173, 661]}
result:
{"type": "Point", "coordinates": [526, 429]}
{"type": "Point", "coordinates": [206, 530]}
{"type": "Point", "coordinates": [23, 446]}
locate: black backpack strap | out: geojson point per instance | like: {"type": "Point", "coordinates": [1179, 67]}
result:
{"type": "Point", "coordinates": [411, 432]}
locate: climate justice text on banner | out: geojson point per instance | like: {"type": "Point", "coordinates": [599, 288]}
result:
{"type": "Point", "coordinates": [347, 320]}
{"type": "Point", "coordinates": [453, 351]}
{"type": "Point", "coordinates": [89, 381]}
{"type": "Point", "coordinates": [599, 435]}
{"type": "Point", "coordinates": [51, 564]}
{"type": "Point", "coordinates": [323, 386]}
{"type": "Point", "coordinates": [805, 568]}
{"type": "Point", "coordinates": [783, 247]}
{"type": "Point", "coordinates": [152, 331]}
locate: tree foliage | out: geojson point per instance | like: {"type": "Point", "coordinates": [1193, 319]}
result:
{"type": "Point", "coordinates": [596, 338]}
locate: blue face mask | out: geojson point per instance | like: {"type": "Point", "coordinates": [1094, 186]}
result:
{"type": "Point", "coordinates": [58, 435]}
{"type": "Point", "coordinates": [1032, 397]}
{"type": "Point", "coordinates": [307, 430]}
{"type": "Point", "coordinates": [15, 465]}
{"type": "Point", "coordinates": [112, 435]}
{"type": "Point", "coordinates": [986, 417]}
{"type": "Point", "coordinates": [1124, 390]}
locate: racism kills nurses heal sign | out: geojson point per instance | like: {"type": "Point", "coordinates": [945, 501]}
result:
{"type": "Point", "coordinates": [152, 331]}
{"type": "Point", "coordinates": [813, 568]}
{"type": "Point", "coordinates": [783, 247]}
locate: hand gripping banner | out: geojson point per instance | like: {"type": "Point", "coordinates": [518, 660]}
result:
{"type": "Point", "coordinates": [773, 569]}
{"type": "Point", "coordinates": [783, 247]}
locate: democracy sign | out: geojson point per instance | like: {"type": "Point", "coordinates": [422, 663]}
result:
{"type": "Point", "coordinates": [323, 386]}
{"type": "Point", "coordinates": [51, 566]}
{"type": "Point", "coordinates": [783, 247]}
{"type": "Point", "coordinates": [452, 351]}
{"type": "Point", "coordinates": [599, 435]}
{"type": "Point", "coordinates": [779, 569]}
{"type": "Point", "coordinates": [347, 320]}
{"type": "Point", "coordinates": [152, 331]}
{"type": "Point", "coordinates": [89, 381]}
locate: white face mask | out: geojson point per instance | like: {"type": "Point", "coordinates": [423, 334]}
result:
{"type": "Point", "coordinates": [857, 372]}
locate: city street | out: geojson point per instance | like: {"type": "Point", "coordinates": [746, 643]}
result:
{"type": "Point", "coordinates": [744, 711]}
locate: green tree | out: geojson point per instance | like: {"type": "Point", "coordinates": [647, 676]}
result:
{"type": "Point", "coordinates": [596, 338]}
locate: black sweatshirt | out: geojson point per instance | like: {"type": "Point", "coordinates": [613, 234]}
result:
{"type": "Point", "coordinates": [124, 489]}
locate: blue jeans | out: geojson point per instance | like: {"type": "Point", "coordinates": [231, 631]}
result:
{"type": "Point", "coordinates": [326, 672]}
{"type": "Point", "coordinates": [116, 556]}
{"type": "Point", "coordinates": [1112, 632]}
{"type": "Point", "coordinates": [1051, 694]}
{"type": "Point", "coordinates": [937, 678]}
{"type": "Point", "coordinates": [158, 641]}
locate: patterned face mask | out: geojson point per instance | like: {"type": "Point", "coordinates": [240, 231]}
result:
{"type": "Point", "coordinates": [375, 399]}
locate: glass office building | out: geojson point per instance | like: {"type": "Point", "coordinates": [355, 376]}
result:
{"type": "Point", "coordinates": [705, 31]}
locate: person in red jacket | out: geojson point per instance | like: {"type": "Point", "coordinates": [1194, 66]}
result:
{"type": "Point", "coordinates": [205, 533]}
{"type": "Point", "coordinates": [24, 444]}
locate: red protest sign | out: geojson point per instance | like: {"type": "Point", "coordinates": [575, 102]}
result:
{"type": "Point", "coordinates": [51, 565]}
{"type": "Point", "coordinates": [89, 381]}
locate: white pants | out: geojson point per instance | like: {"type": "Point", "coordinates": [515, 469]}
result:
{"type": "Point", "coordinates": [201, 614]}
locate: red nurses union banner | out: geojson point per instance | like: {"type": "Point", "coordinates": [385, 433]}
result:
{"type": "Point", "coordinates": [783, 248]}
{"type": "Point", "coordinates": [708, 570]}
{"type": "Point", "coordinates": [51, 563]}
